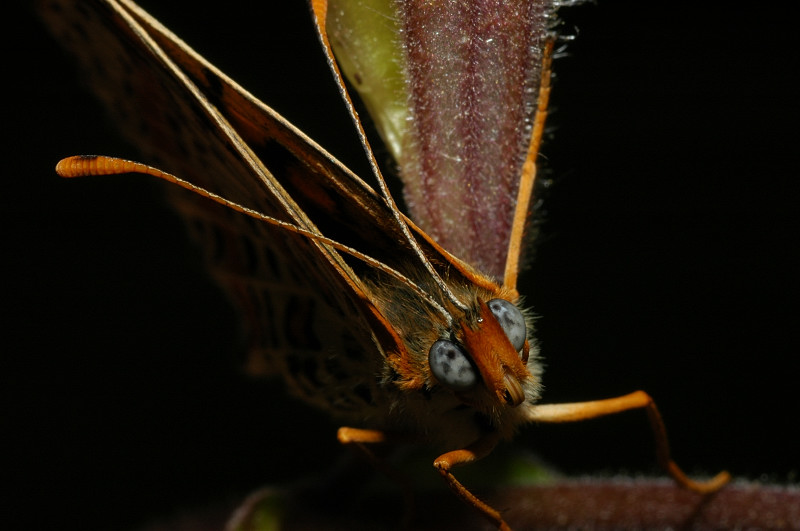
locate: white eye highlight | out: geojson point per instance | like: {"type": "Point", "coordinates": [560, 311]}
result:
{"type": "Point", "coordinates": [512, 321]}
{"type": "Point", "coordinates": [451, 366]}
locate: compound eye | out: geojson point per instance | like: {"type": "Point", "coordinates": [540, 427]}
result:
{"type": "Point", "coordinates": [512, 321]}
{"type": "Point", "coordinates": [451, 366]}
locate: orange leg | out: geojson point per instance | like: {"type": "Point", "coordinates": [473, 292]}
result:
{"type": "Point", "coordinates": [637, 400]}
{"type": "Point", "coordinates": [477, 450]}
{"type": "Point", "coordinates": [361, 438]}
{"type": "Point", "coordinates": [444, 463]}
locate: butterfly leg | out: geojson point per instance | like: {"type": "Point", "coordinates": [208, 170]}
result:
{"type": "Point", "coordinates": [361, 439]}
{"type": "Point", "coordinates": [475, 451]}
{"type": "Point", "coordinates": [637, 400]}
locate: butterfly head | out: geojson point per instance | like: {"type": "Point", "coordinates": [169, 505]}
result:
{"type": "Point", "coordinates": [485, 364]}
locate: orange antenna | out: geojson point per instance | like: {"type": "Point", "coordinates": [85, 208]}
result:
{"type": "Point", "coordinates": [528, 174]}
{"type": "Point", "coordinates": [93, 165]}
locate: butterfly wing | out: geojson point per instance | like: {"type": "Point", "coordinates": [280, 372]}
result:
{"type": "Point", "coordinates": [301, 299]}
{"type": "Point", "coordinates": [345, 334]}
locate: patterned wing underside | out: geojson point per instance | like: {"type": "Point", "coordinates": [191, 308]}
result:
{"type": "Point", "coordinates": [301, 335]}
{"type": "Point", "coordinates": [303, 313]}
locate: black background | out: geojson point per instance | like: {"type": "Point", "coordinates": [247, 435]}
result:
{"type": "Point", "coordinates": [668, 262]}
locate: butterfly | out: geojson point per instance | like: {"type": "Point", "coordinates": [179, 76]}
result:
{"type": "Point", "coordinates": [395, 324]}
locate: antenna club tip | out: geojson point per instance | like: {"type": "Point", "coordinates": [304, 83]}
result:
{"type": "Point", "coordinates": [76, 166]}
